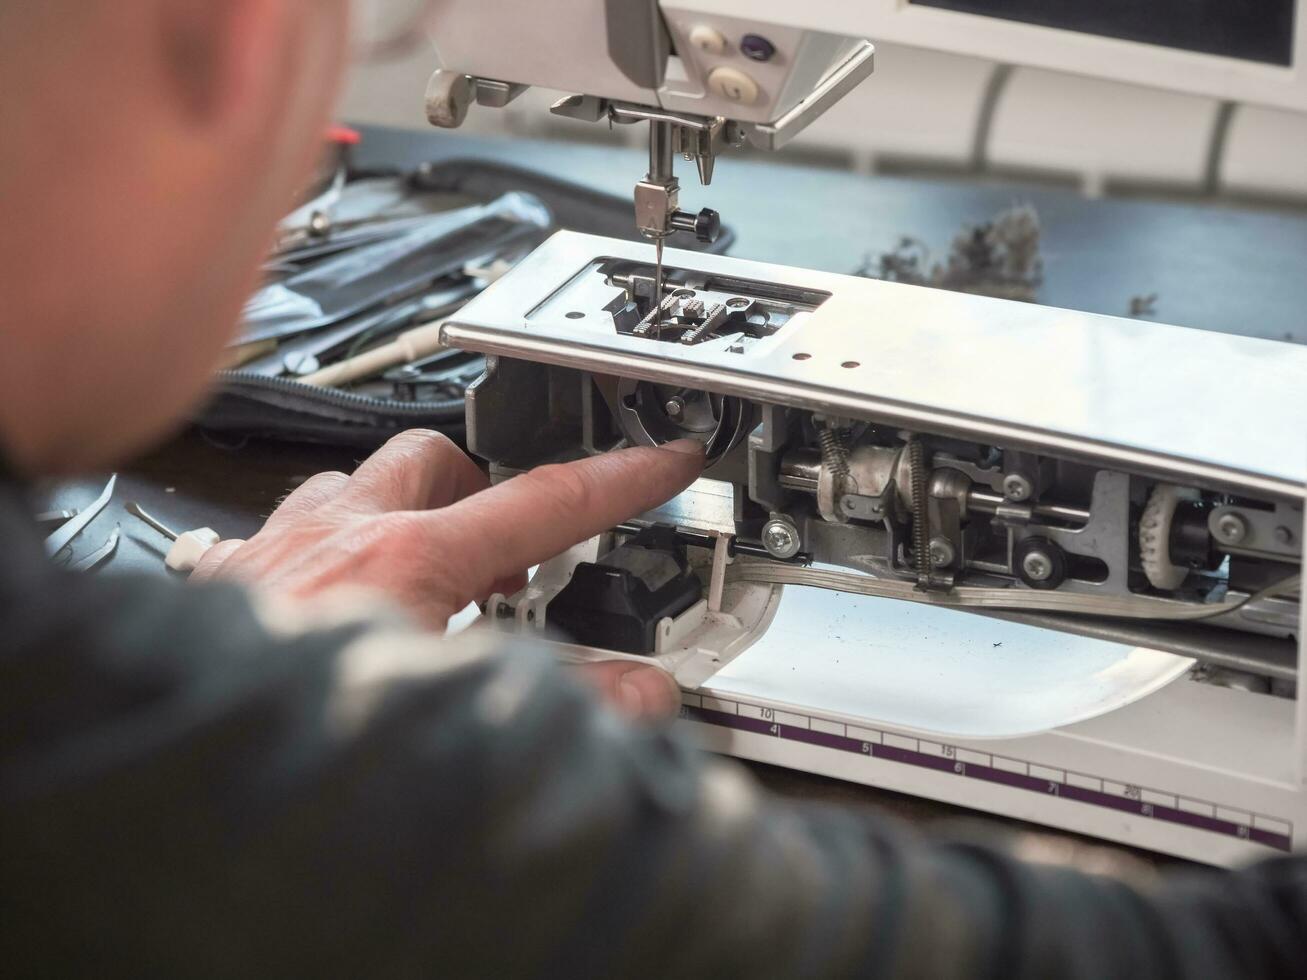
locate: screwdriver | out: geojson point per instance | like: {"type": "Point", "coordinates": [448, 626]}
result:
{"type": "Point", "coordinates": [187, 548]}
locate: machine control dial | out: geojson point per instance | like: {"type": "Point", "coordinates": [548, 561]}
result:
{"type": "Point", "coordinates": [708, 39]}
{"type": "Point", "coordinates": [733, 84]}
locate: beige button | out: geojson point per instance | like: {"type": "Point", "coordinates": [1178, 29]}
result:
{"type": "Point", "coordinates": [733, 84]}
{"type": "Point", "coordinates": [707, 39]}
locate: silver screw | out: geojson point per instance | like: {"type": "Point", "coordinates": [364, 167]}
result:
{"type": "Point", "coordinates": [941, 552]}
{"type": "Point", "coordinates": [1231, 528]}
{"type": "Point", "coordinates": [1017, 487]}
{"type": "Point", "coordinates": [1283, 535]}
{"type": "Point", "coordinates": [675, 408]}
{"type": "Point", "coordinates": [780, 538]}
{"type": "Point", "coordinates": [1037, 566]}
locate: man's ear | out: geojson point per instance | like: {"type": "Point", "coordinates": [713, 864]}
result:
{"type": "Point", "coordinates": [221, 54]}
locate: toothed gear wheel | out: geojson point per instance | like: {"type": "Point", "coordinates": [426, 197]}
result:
{"type": "Point", "coordinates": [1155, 536]}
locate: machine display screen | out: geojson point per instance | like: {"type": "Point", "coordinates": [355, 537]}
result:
{"type": "Point", "coordinates": [1251, 30]}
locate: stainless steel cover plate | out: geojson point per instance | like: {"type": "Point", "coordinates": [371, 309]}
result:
{"type": "Point", "coordinates": [1224, 411]}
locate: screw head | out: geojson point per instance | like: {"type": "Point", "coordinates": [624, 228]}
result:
{"type": "Point", "coordinates": [1017, 487]}
{"type": "Point", "coordinates": [942, 552]}
{"type": "Point", "coordinates": [780, 538]}
{"type": "Point", "coordinates": [1037, 566]}
{"type": "Point", "coordinates": [1231, 528]}
{"type": "Point", "coordinates": [674, 408]}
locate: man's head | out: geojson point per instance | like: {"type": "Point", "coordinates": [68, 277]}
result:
{"type": "Point", "coordinates": [148, 149]}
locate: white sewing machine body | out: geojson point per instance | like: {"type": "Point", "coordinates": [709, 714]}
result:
{"type": "Point", "coordinates": [619, 49]}
{"type": "Point", "coordinates": [1045, 439]}
{"type": "Point", "coordinates": [710, 75]}
{"type": "Point", "coordinates": [916, 460]}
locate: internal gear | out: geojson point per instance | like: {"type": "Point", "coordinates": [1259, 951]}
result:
{"type": "Point", "coordinates": [1155, 536]}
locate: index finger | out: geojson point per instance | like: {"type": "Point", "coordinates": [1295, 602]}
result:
{"type": "Point", "coordinates": [538, 515]}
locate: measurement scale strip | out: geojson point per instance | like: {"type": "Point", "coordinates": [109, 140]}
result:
{"type": "Point", "coordinates": [766, 723]}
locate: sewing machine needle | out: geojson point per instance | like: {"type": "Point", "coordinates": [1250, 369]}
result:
{"type": "Point", "coordinates": [658, 285]}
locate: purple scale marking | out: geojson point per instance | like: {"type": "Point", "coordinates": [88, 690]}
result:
{"type": "Point", "coordinates": [895, 754]}
{"type": "Point", "coordinates": [824, 739]}
{"type": "Point", "coordinates": [1015, 780]}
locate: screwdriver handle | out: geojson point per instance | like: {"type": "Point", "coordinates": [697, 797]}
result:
{"type": "Point", "coordinates": [189, 548]}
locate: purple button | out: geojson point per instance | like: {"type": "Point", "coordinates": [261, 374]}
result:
{"type": "Point", "coordinates": [756, 47]}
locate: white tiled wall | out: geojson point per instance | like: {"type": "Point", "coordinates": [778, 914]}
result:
{"type": "Point", "coordinates": [1266, 153]}
{"type": "Point", "coordinates": [1101, 131]}
{"type": "Point", "coordinates": [917, 106]}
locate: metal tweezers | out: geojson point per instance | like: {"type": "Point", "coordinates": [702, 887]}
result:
{"type": "Point", "coordinates": [57, 541]}
{"type": "Point", "coordinates": [99, 555]}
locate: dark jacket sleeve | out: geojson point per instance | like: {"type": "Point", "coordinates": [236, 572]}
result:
{"type": "Point", "coordinates": [187, 792]}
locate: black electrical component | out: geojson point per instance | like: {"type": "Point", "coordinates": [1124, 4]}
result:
{"type": "Point", "coordinates": [1191, 543]}
{"type": "Point", "coordinates": [617, 602]}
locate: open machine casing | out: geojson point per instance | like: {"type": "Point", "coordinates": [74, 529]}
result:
{"type": "Point", "coordinates": [1210, 773]}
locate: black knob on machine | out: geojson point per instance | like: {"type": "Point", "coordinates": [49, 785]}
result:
{"type": "Point", "coordinates": [706, 225]}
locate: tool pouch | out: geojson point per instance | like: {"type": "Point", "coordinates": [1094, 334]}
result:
{"type": "Point", "coordinates": [399, 248]}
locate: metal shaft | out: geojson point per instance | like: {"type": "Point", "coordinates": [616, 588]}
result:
{"type": "Point", "coordinates": [987, 503]}
{"type": "Point", "coordinates": [661, 157]}
{"type": "Point", "coordinates": [800, 470]}
{"type": "Point", "coordinates": [134, 509]}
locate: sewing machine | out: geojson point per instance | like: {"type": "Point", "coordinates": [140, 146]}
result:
{"type": "Point", "coordinates": [939, 467]}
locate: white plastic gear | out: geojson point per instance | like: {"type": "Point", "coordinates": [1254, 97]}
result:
{"type": "Point", "coordinates": [1155, 536]}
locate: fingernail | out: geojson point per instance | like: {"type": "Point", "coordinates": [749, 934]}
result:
{"type": "Point", "coordinates": [648, 692]}
{"type": "Point", "coordinates": [690, 447]}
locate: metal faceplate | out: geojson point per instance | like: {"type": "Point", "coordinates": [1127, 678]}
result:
{"type": "Point", "coordinates": [1209, 409]}
{"type": "Point", "coordinates": [654, 55]}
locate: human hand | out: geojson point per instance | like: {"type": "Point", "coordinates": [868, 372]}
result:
{"type": "Point", "coordinates": [418, 522]}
